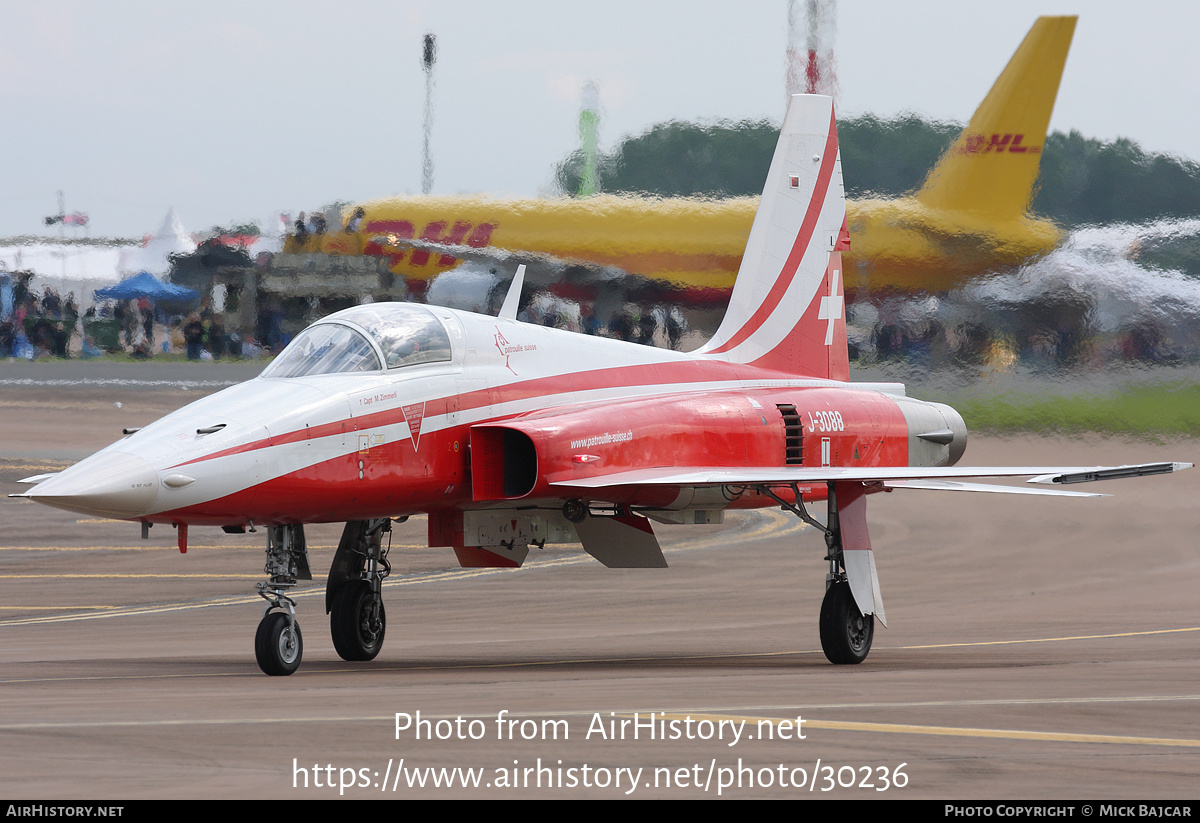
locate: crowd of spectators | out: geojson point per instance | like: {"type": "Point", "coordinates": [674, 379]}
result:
{"type": "Point", "coordinates": [49, 325]}
{"type": "Point", "coordinates": [38, 325]}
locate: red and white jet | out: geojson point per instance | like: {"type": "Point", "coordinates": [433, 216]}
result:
{"type": "Point", "coordinates": [508, 434]}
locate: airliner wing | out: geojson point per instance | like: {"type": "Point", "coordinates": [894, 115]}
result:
{"type": "Point", "coordinates": [544, 269]}
{"type": "Point", "coordinates": [941, 478]}
{"type": "Point", "coordinates": [474, 254]}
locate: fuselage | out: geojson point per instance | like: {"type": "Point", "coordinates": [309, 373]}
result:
{"type": "Point", "coordinates": [434, 430]}
{"type": "Point", "coordinates": [690, 245]}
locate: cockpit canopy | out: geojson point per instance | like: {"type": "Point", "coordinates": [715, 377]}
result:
{"type": "Point", "coordinates": [355, 339]}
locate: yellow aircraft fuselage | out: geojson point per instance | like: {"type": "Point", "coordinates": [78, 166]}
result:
{"type": "Point", "coordinates": [696, 245]}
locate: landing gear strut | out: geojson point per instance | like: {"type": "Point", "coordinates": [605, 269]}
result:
{"type": "Point", "coordinates": [353, 594]}
{"type": "Point", "coordinates": [846, 633]}
{"type": "Point", "coordinates": [278, 644]}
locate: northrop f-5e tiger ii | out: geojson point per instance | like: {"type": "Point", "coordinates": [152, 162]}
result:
{"type": "Point", "coordinates": [508, 434]}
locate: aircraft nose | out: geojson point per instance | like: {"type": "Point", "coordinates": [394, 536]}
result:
{"type": "Point", "coordinates": [108, 484]}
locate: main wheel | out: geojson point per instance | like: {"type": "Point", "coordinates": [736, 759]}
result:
{"type": "Point", "coordinates": [278, 645]}
{"type": "Point", "coordinates": [846, 632]}
{"type": "Point", "coordinates": [357, 622]}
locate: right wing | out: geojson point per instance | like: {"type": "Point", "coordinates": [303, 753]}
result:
{"type": "Point", "coordinates": [945, 478]}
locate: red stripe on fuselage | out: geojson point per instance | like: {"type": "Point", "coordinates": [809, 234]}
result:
{"type": "Point", "coordinates": [663, 373]}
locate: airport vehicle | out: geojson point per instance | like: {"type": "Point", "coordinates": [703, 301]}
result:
{"type": "Point", "coordinates": [969, 217]}
{"type": "Point", "coordinates": [509, 435]}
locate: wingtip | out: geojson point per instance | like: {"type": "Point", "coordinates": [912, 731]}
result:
{"type": "Point", "coordinates": [1110, 473]}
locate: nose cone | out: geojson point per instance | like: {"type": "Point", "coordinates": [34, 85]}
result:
{"type": "Point", "coordinates": [109, 484]}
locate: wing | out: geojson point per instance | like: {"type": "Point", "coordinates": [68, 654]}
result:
{"type": "Point", "coordinates": [544, 270]}
{"type": "Point", "coordinates": [903, 477]}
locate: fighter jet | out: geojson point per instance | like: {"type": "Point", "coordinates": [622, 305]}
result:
{"type": "Point", "coordinates": [508, 434]}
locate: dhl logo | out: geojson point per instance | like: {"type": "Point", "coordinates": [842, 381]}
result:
{"type": "Point", "coordinates": [998, 143]}
{"type": "Point", "coordinates": [461, 233]}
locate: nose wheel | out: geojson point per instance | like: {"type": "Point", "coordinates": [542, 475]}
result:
{"type": "Point", "coordinates": [278, 644]}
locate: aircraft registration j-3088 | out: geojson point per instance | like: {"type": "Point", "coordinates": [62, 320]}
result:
{"type": "Point", "coordinates": [509, 435]}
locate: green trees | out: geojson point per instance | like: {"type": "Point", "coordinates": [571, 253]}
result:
{"type": "Point", "coordinates": [678, 159]}
{"type": "Point", "coordinates": [1082, 180]}
{"type": "Point", "coordinates": [890, 157]}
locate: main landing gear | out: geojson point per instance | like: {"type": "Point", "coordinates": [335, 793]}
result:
{"type": "Point", "coordinates": [278, 644]}
{"type": "Point", "coordinates": [353, 596]}
{"type": "Point", "coordinates": [846, 633]}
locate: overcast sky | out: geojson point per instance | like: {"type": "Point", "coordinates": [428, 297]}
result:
{"type": "Point", "coordinates": [229, 111]}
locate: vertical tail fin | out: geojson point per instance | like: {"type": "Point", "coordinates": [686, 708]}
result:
{"type": "Point", "coordinates": [787, 310]}
{"type": "Point", "coordinates": [992, 166]}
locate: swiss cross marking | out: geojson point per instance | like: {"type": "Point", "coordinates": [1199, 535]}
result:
{"type": "Point", "coordinates": [831, 306]}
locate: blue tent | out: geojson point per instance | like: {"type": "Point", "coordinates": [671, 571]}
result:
{"type": "Point", "coordinates": [145, 285]}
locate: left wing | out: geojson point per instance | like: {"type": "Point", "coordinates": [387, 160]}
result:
{"type": "Point", "coordinates": [544, 270]}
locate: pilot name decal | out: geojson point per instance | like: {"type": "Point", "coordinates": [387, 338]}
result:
{"type": "Point", "coordinates": [508, 349]}
{"type": "Point", "coordinates": [414, 413]}
{"type": "Point", "coordinates": [1000, 143]}
{"type": "Point", "coordinates": [376, 398]}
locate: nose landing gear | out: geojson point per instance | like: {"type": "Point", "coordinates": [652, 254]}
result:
{"type": "Point", "coordinates": [278, 644]}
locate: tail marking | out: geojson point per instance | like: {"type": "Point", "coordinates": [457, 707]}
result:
{"type": "Point", "coordinates": [787, 311]}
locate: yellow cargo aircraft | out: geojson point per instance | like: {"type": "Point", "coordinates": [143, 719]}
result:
{"type": "Point", "coordinates": [968, 218]}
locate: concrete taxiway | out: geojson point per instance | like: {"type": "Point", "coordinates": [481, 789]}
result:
{"type": "Point", "coordinates": [1038, 648]}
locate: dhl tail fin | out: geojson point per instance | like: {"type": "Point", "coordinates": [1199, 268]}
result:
{"type": "Point", "coordinates": [992, 166]}
{"type": "Point", "coordinates": [787, 310]}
